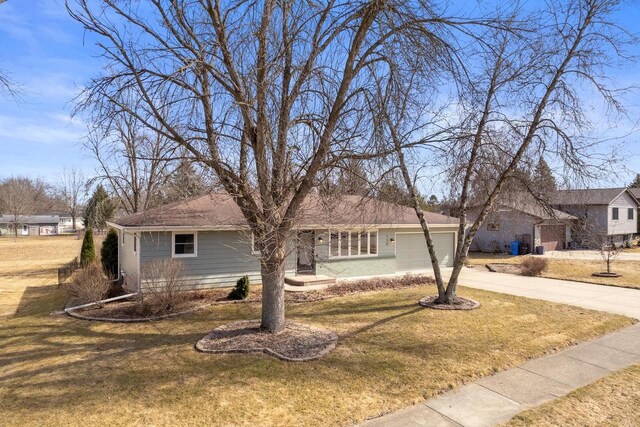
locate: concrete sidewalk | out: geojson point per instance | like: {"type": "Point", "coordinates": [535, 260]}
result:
{"type": "Point", "coordinates": [495, 399]}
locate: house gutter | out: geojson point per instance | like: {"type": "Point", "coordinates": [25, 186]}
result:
{"type": "Point", "coordinates": [246, 228]}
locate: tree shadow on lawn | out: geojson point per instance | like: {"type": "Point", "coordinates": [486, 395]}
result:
{"type": "Point", "coordinates": [389, 348]}
{"type": "Point", "coordinates": [32, 298]}
{"type": "Point", "coordinates": [59, 362]}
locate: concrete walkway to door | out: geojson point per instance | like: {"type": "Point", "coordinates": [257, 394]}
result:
{"type": "Point", "coordinates": [495, 399]}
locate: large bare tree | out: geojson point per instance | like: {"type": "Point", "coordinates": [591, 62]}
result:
{"type": "Point", "coordinates": [70, 190]}
{"type": "Point", "coordinates": [133, 161]}
{"type": "Point", "coordinates": [266, 94]}
{"type": "Point", "coordinates": [21, 196]}
{"type": "Point", "coordinates": [530, 85]}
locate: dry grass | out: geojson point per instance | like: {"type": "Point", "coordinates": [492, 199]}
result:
{"type": "Point", "coordinates": [391, 353]}
{"type": "Point", "coordinates": [30, 264]}
{"type": "Point", "coordinates": [481, 258]}
{"type": "Point", "coordinates": [611, 401]}
{"type": "Point", "coordinates": [567, 269]}
{"type": "Point", "coordinates": [581, 270]}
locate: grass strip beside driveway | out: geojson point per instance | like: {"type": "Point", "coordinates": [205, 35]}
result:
{"type": "Point", "coordinates": [611, 401]}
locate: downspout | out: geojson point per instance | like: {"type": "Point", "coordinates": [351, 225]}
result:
{"type": "Point", "coordinates": [77, 307]}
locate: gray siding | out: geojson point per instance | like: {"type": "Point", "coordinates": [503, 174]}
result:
{"type": "Point", "coordinates": [222, 257]}
{"type": "Point", "coordinates": [512, 223]}
{"type": "Point", "coordinates": [623, 225]}
{"type": "Point", "coordinates": [383, 263]}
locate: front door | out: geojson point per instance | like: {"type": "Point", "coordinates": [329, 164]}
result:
{"type": "Point", "coordinates": [306, 252]}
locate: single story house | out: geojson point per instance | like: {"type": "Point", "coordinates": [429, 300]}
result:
{"type": "Point", "coordinates": [608, 212]}
{"type": "Point", "coordinates": [525, 221]}
{"type": "Point", "coordinates": [338, 236]}
{"type": "Point", "coordinates": [66, 223]}
{"type": "Point", "coordinates": [29, 225]}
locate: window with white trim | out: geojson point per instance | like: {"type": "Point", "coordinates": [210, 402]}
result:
{"type": "Point", "coordinates": [254, 248]}
{"type": "Point", "coordinates": [184, 245]}
{"type": "Point", "coordinates": [353, 243]}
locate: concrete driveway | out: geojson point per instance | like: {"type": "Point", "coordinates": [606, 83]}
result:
{"type": "Point", "coordinates": [597, 297]}
{"type": "Point", "coordinates": [591, 255]}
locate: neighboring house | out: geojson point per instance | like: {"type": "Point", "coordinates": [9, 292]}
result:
{"type": "Point", "coordinates": [66, 223]}
{"type": "Point", "coordinates": [609, 212]}
{"type": "Point", "coordinates": [524, 221]}
{"type": "Point", "coordinates": [636, 194]}
{"type": "Point", "coordinates": [29, 225]}
{"type": "Point", "coordinates": [343, 236]}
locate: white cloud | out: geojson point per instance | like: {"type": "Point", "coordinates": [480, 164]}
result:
{"type": "Point", "coordinates": [55, 129]}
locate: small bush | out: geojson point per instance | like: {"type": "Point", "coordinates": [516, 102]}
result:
{"type": "Point", "coordinates": [164, 286]}
{"type": "Point", "coordinates": [89, 284]}
{"type": "Point", "coordinates": [109, 253]}
{"type": "Point", "coordinates": [88, 251]}
{"type": "Point", "coordinates": [241, 291]}
{"type": "Point", "coordinates": [531, 266]}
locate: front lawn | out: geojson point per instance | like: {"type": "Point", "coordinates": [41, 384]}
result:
{"type": "Point", "coordinates": [391, 353]}
{"type": "Point", "coordinates": [579, 270]}
{"type": "Point", "coordinates": [611, 401]}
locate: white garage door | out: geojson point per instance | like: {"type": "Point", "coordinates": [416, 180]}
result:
{"type": "Point", "coordinates": [412, 253]}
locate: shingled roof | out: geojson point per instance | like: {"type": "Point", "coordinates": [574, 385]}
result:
{"type": "Point", "coordinates": [30, 219]}
{"type": "Point", "coordinates": [530, 205]}
{"type": "Point", "coordinates": [219, 210]}
{"type": "Point", "coordinates": [596, 196]}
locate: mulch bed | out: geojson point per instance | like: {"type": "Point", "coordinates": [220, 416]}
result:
{"type": "Point", "coordinates": [504, 268]}
{"type": "Point", "coordinates": [129, 311]}
{"type": "Point", "coordinates": [297, 343]}
{"type": "Point", "coordinates": [459, 303]}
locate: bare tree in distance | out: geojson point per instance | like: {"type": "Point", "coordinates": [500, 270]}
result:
{"type": "Point", "coordinates": [266, 94]}
{"type": "Point", "coordinates": [525, 100]}
{"type": "Point", "coordinates": [134, 162]}
{"type": "Point", "coordinates": [70, 191]}
{"type": "Point", "coordinates": [22, 196]}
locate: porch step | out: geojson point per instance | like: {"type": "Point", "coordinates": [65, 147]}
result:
{"type": "Point", "coordinates": [309, 280]}
{"type": "Point", "coordinates": [305, 288]}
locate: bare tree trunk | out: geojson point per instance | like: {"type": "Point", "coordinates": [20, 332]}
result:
{"type": "Point", "coordinates": [272, 270]}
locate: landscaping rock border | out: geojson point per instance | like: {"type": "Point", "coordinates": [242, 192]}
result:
{"type": "Point", "coordinates": [605, 274]}
{"type": "Point", "coordinates": [75, 314]}
{"type": "Point", "coordinates": [461, 304]}
{"type": "Point", "coordinates": [297, 343]}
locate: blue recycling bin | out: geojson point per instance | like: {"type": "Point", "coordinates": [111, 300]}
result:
{"type": "Point", "coordinates": [515, 248]}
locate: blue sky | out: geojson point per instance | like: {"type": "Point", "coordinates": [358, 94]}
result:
{"type": "Point", "coordinates": [51, 57]}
